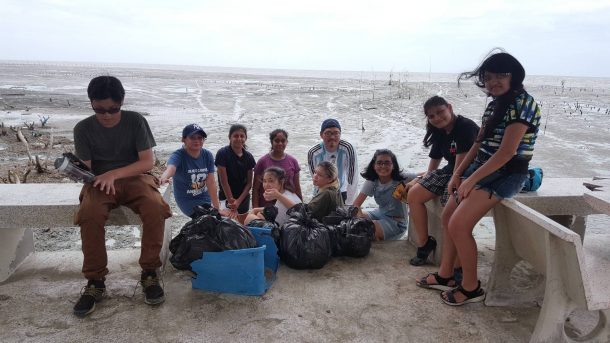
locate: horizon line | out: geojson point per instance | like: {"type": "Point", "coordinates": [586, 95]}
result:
{"type": "Point", "coordinates": [372, 71]}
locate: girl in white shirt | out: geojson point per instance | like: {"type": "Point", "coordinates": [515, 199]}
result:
{"type": "Point", "coordinates": [273, 185]}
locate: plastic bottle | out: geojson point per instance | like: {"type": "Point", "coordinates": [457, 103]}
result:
{"type": "Point", "coordinates": [64, 166]}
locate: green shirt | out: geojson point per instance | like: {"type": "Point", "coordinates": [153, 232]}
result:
{"type": "Point", "coordinates": [324, 202]}
{"type": "Point", "coordinates": [114, 147]}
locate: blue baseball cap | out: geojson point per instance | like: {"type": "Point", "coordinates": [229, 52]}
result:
{"type": "Point", "coordinates": [192, 129]}
{"type": "Point", "coordinates": [328, 123]}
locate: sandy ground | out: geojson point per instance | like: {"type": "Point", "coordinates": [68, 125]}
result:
{"type": "Point", "coordinates": [359, 300]}
{"type": "Point", "coordinates": [371, 299]}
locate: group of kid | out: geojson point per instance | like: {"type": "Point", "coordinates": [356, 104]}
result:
{"type": "Point", "coordinates": [483, 167]}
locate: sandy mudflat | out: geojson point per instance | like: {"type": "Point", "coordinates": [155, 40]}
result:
{"type": "Point", "coordinates": [371, 299]}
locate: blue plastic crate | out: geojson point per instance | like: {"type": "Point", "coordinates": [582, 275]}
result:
{"type": "Point", "coordinates": [244, 271]}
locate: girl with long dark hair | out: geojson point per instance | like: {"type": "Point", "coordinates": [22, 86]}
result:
{"type": "Point", "coordinates": [450, 137]}
{"type": "Point", "coordinates": [495, 168]}
{"type": "Point", "coordinates": [235, 165]}
{"type": "Point", "coordinates": [382, 175]}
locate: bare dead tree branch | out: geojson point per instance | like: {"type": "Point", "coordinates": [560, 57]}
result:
{"type": "Point", "coordinates": [30, 126]}
{"type": "Point", "coordinates": [40, 168]}
{"type": "Point", "coordinates": [25, 175]}
{"type": "Point", "coordinates": [25, 142]}
{"type": "Point", "coordinates": [13, 177]}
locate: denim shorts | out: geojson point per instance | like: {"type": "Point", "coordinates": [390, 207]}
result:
{"type": "Point", "coordinates": [392, 228]}
{"type": "Point", "coordinates": [500, 183]}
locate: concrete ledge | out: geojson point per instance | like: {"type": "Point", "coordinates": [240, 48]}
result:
{"type": "Point", "coordinates": [559, 198]}
{"type": "Point", "coordinates": [27, 206]}
{"type": "Point", "coordinates": [34, 205]}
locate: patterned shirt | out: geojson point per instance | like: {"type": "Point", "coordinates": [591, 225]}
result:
{"type": "Point", "coordinates": [523, 110]}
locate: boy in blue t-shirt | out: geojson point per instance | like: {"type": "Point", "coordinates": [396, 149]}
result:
{"type": "Point", "coordinates": [192, 169]}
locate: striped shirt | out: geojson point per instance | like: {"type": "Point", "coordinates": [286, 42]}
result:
{"type": "Point", "coordinates": [523, 110]}
{"type": "Point", "coordinates": [345, 161]}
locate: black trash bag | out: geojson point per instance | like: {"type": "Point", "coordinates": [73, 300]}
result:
{"type": "Point", "coordinates": [297, 212]}
{"type": "Point", "coordinates": [195, 237]}
{"type": "Point", "coordinates": [339, 214]}
{"type": "Point", "coordinates": [201, 224]}
{"type": "Point", "coordinates": [304, 242]}
{"type": "Point", "coordinates": [270, 213]}
{"type": "Point", "coordinates": [234, 235]}
{"type": "Point", "coordinates": [207, 233]}
{"type": "Point", "coordinates": [205, 209]}
{"type": "Point", "coordinates": [350, 236]}
{"type": "Point", "coordinates": [353, 237]}
{"type": "Point", "coordinates": [262, 223]}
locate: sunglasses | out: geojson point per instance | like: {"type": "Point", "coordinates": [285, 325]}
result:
{"type": "Point", "coordinates": [112, 110]}
{"type": "Point", "coordinates": [332, 133]}
{"type": "Point", "coordinates": [383, 163]}
{"type": "Point", "coordinates": [495, 76]}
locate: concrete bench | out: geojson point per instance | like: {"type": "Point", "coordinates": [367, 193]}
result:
{"type": "Point", "coordinates": [561, 199]}
{"type": "Point", "coordinates": [574, 279]}
{"type": "Point", "coordinates": [27, 206]}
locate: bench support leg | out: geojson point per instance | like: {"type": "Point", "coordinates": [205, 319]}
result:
{"type": "Point", "coordinates": [556, 308]}
{"type": "Point", "coordinates": [167, 236]}
{"type": "Point", "coordinates": [499, 291]}
{"type": "Point", "coordinates": [558, 305]}
{"type": "Point", "coordinates": [435, 229]}
{"type": "Point", "coordinates": [167, 231]}
{"type": "Point", "coordinates": [577, 224]}
{"type": "Point", "coordinates": [15, 246]}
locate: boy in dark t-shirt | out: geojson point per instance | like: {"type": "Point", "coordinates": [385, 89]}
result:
{"type": "Point", "coordinates": [117, 146]}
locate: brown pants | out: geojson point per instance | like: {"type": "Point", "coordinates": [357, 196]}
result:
{"type": "Point", "coordinates": [141, 195]}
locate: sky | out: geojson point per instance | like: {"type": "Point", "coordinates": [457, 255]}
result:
{"type": "Point", "coordinates": [570, 38]}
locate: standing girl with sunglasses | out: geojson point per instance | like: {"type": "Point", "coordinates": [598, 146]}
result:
{"type": "Point", "coordinates": [495, 168]}
{"type": "Point", "coordinates": [235, 166]}
{"type": "Point", "coordinates": [382, 176]}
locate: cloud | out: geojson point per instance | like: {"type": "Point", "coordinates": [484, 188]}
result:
{"type": "Point", "coordinates": [316, 34]}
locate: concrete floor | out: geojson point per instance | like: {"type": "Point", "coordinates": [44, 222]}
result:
{"type": "Point", "coordinates": [373, 299]}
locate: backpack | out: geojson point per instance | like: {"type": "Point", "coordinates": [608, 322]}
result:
{"type": "Point", "coordinates": [534, 180]}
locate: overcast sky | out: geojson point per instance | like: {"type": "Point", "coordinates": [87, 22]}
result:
{"type": "Point", "coordinates": [548, 37]}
